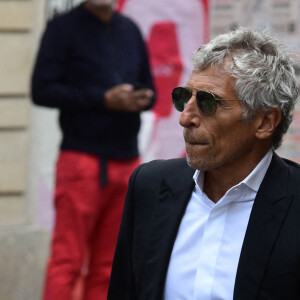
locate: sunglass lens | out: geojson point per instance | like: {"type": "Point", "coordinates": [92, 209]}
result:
{"type": "Point", "coordinates": [180, 97]}
{"type": "Point", "coordinates": [206, 103]}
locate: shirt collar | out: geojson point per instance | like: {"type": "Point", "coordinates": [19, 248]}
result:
{"type": "Point", "coordinates": [253, 180]}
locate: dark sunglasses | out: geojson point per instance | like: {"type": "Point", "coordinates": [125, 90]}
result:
{"type": "Point", "coordinates": [207, 102]}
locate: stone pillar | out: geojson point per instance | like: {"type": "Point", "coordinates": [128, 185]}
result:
{"type": "Point", "coordinates": [23, 244]}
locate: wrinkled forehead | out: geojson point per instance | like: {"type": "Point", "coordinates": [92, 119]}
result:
{"type": "Point", "coordinates": [217, 69]}
{"type": "Point", "coordinates": [224, 66]}
{"type": "Point", "coordinates": [214, 79]}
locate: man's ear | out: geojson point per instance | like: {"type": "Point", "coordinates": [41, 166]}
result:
{"type": "Point", "coordinates": [267, 123]}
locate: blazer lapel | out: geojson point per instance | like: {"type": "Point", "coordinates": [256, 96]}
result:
{"type": "Point", "coordinates": [174, 195]}
{"type": "Point", "coordinates": [268, 213]}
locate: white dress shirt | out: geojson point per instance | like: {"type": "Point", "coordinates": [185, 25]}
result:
{"type": "Point", "coordinates": [207, 248]}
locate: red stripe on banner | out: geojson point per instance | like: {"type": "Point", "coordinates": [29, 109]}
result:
{"type": "Point", "coordinates": [166, 64]}
{"type": "Point", "coordinates": [120, 5]}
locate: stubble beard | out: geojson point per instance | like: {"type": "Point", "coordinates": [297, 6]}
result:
{"type": "Point", "coordinates": [201, 163]}
{"type": "Point", "coordinates": [211, 161]}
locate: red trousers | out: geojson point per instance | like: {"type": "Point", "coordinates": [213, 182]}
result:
{"type": "Point", "coordinates": [87, 222]}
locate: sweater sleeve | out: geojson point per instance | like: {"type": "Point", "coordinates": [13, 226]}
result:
{"type": "Point", "coordinates": [49, 86]}
{"type": "Point", "coordinates": [145, 73]}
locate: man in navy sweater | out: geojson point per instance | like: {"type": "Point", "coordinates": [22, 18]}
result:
{"type": "Point", "coordinates": [93, 66]}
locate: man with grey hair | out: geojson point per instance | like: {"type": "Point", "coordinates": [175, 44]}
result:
{"type": "Point", "coordinates": [222, 223]}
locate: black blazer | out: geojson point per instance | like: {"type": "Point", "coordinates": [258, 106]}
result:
{"type": "Point", "coordinates": [269, 264]}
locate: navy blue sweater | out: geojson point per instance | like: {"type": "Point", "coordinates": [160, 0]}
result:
{"type": "Point", "coordinates": [81, 57]}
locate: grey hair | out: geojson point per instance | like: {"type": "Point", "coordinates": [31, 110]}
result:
{"type": "Point", "coordinates": [263, 72]}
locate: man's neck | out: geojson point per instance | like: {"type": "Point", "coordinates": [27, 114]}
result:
{"type": "Point", "coordinates": [103, 13]}
{"type": "Point", "coordinates": [218, 182]}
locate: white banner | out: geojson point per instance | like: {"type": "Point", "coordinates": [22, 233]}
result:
{"type": "Point", "coordinates": [173, 30]}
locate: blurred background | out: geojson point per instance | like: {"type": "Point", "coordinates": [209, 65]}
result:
{"type": "Point", "coordinates": [29, 136]}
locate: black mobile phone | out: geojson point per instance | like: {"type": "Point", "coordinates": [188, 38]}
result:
{"type": "Point", "coordinates": [139, 86]}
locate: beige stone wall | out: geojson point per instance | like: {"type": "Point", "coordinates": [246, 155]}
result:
{"type": "Point", "coordinates": [23, 246]}
{"type": "Point", "coordinates": [17, 48]}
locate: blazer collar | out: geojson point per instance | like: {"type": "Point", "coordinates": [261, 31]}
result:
{"type": "Point", "coordinates": [175, 192]}
{"type": "Point", "coordinates": [268, 213]}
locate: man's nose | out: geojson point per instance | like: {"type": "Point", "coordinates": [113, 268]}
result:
{"type": "Point", "coordinates": [191, 115]}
